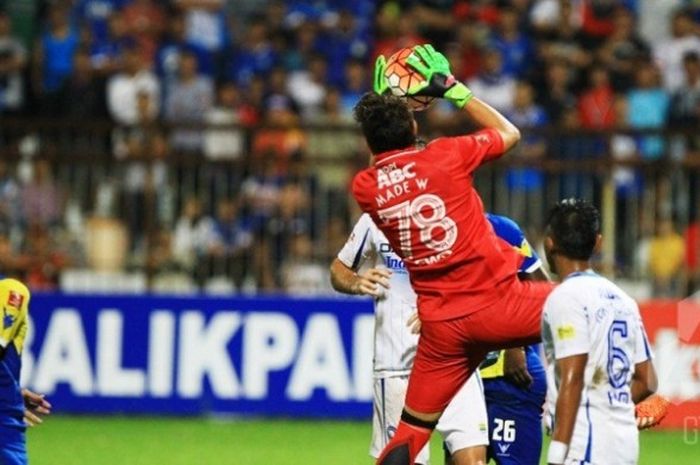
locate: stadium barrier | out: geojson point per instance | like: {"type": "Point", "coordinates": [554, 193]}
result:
{"type": "Point", "coordinates": [262, 356]}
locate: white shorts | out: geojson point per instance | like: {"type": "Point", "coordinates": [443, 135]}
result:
{"type": "Point", "coordinates": [464, 423]}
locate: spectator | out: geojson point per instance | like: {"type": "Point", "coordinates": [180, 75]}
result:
{"type": "Point", "coordinates": [467, 37]}
{"type": "Point", "coordinates": [144, 148]}
{"type": "Point", "coordinates": [282, 138]}
{"type": "Point", "coordinates": [224, 143]}
{"type": "Point", "coordinates": [42, 198]}
{"type": "Point", "coordinates": [623, 50]}
{"type": "Point", "coordinates": [206, 23]}
{"type": "Point", "coordinates": [145, 21]}
{"type": "Point", "coordinates": [187, 102]}
{"type": "Point", "coordinates": [526, 184]}
{"type": "Point", "coordinates": [45, 259]}
{"type": "Point", "coordinates": [123, 89]}
{"type": "Point", "coordinates": [96, 15]}
{"type": "Point", "coordinates": [228, 247]}
{"type": "Point", "coordinates": [171, 49]}
{"type": "Point", "coordinates": [685, 106]}
{"type": "Point", "coordinates": [355, 85]}
{"type": "Point", "coordinates": [84, 93]}
{"type": "Point", "coordinates": [397, 30]}
{"type": "Point", "coordinates": [255, 56]}
{"type": "Point", "coordinates": [306, 44]}
{"type": "Point", "coordinates": [308, 87]}
{"type": "Point", "coordinates": [491, 84]}
{"type": "Point", "coordinates": [53, 59]}
{"type": "Point", "coordinates": [13, 59]}
{"type": "Point", "coordinates": [343, 44]}
{"type": "Point", "coordinates": [9, 198]}
{"type": "Point", "coordinates": [596, 103]}
{"type": "Point", "coordinates": [669, 53]}
{"type": "Point", "coordinates": [666, 259]}
{"type": "Point", "coordinates": [556, 96]}
{"type": "Point", "coordinates": [302, 273]}
{"type": "Point", "coordinates": [648, 109]}
{"type": "Point", "coordinates": [193, 232]}
{"type": "Point", "coordinates": [107, 54]}
{"type": "Point", "coordinates": [514, 45]}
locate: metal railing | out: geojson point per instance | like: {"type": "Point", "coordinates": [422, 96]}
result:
{"type": "Point", "coordinates": [283, 194]}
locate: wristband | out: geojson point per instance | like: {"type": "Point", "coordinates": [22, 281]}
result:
{"type": "Point", "coordinates": [557, 452]}
{"type": "Point", "coordinates": [459, 94]}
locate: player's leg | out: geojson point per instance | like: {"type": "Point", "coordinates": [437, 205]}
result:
{"type": "Point", "coordinates": [442, 365]}
{"type": "Point", "coordinates": [13, 453]}
{"type": "Point", "coordinates": [515, 427]}
{"type": "Point", "coordinates": [464, 425]}
{"type": "Point", "coordinates": [516, 319]}
{"type": "Point", "coordinates": [389, 397]}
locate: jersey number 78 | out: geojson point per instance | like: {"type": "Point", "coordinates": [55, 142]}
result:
{"type": "Point", "coordinates": [427, 212]}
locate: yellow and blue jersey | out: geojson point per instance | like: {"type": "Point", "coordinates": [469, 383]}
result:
{"type": "Point", "coordinates": [14, 308]}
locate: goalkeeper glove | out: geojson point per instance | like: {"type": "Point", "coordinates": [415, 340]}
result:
{"type": "Point", "coordinates": [651, 411]}
{"type": "Point", "coordinates": [439, 81]}
{"type": "Point", "coordinates": [381, 84]}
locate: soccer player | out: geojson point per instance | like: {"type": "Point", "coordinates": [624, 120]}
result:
{"type": "Point", "coordinates": [18, 407]}
{"type": "Point", "coordinates": [367, 265]}
{"type": "Point", "coordinates": [593, 334]}
{"type": "Point", "coordinates": [470, 300]}
{"type": "Point", "coordinates": [515, 382]}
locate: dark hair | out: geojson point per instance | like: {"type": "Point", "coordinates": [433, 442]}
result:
{"type": "Point", "coordinates": [386, 122]}
{"type": "Point", "coordinates": [574, 226]}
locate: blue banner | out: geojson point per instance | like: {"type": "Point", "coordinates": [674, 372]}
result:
{"type": "Point", "coordinates": [167, 355]}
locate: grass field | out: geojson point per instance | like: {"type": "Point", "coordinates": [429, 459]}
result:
{"type": "Point", "coordinates": [148, 441]}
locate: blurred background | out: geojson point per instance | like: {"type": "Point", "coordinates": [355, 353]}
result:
{"type": "Point", "coordinates": [203, 149]}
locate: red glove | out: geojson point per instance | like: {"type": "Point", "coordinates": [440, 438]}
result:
{"type": "Point", "coordinates": [651, 411]}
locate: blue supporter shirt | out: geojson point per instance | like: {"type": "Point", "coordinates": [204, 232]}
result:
{"type": "Point", "coordinates": [58, 59]}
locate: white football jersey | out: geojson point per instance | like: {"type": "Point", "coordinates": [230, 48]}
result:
{"type": "Point", "coordinates": [588, 314]}
{"type": "Point", "coordinates": [394, 344]}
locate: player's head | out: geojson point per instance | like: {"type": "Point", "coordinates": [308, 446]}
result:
{"type": "Point", "coordinates": [573, 231]}
{"type": "Point", "coordinates": [386, 122]}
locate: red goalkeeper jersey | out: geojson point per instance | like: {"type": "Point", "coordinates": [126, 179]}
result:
{"type": "Point", "coordinates": [424, 201]}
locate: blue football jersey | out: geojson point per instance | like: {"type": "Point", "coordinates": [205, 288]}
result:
{"type": "Point", "coordinates": [14, 305]}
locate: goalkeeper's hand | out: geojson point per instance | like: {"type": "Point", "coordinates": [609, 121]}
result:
{"type": "Point", "coordinates": [651, 411]}
{"type": "Point", "coordinates": [381, 84]}
{"type": "Point", "coordinates": [439, 81]}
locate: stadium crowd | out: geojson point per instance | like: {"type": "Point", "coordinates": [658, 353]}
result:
{"type": "Point", "coordinates": [173, 76]}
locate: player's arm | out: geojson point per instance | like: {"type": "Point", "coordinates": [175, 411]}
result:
{"type": "Point", "coordinates": [644, 381]}
{"type": "Point", "coordinates": [439, 82]}
{"type": "Point", "coordinates": [571, 374]}
{"type": "Point", "coordinates": [347, 281]}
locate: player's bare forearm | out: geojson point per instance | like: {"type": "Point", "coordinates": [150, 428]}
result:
{"type": "Point", "coordinates": [345, 280]}
{"type": "Point", "coordinates": [644, 381]}
{"type": "Point", "coordinates": [485, 115]}
{"type": "Point", "coordinates": [571, 371]}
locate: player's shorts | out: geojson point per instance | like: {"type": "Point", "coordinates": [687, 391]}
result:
{"type": "Point", "coordinates": [462, 425]}
{"type": "Point", "coordinates": [601, 439]}
{"type": "Point", "coordinates": [515, 422]}
{"type": "Point", "coordinates": [450, 351]}
{"type": "Point", "coordinates": [14, 453]}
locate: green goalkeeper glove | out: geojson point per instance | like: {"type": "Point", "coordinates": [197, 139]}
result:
{"type": "Point", "coordinates": [381, 84]}
{"type": "Point", "coordinates": [439, 81]}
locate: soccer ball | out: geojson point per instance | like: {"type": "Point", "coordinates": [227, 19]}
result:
{"type": "Point", "coordinates": [401, 76]}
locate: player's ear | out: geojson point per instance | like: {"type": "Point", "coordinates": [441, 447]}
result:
{"type": "Point", "coordinates": [598, 244]}
{"type": "Point", "coordinates": [415, 127]}
{"type": "Point", "coordinates": [548, 243]}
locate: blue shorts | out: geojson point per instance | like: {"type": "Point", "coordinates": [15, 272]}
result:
{"type": "Point", "coordinates": [515, 423]}
{"type": "Point", "coordinates": [13, 454]}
